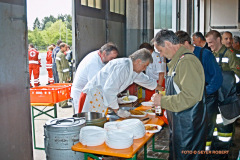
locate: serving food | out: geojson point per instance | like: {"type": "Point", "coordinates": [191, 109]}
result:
{"type": "Point", "coordinates": [150, 111]}
{"type": "Point", "coordinates": [126, 98]}
{"type": "Point", "coordinates": [152, 128]}
{"type": "Point", "coordinates": [136, 112]}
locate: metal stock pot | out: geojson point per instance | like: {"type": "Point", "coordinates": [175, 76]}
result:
{"type": "Point", "coordinates": [93, 118]}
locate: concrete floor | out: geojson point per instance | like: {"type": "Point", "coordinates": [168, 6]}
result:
{"type": "Point", "coordinates": [161, 140]}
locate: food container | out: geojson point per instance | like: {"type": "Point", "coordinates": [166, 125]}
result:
{"type": "Point", "coordinates": [93, 118]}
{"type": "Point", "coordinates": [60, 135]}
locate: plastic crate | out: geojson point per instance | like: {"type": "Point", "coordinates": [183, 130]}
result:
{"type": "Point", "coordinates": [61, 84]}
{"type": "Point", "coordinates": [49, 94]}
{"type": "Point", "coordinates": [68, 85]}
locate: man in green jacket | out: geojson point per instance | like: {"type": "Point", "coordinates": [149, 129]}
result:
{"type": "Point", "coordinates": [227, 93]}
{"type": "Point", "coordinates": [63, 69]}
{"type": "Point", "coordinates": [183, 101]}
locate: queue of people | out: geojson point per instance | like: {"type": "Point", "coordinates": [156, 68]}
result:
{"type": "Point", "coordinates": [200, 79]}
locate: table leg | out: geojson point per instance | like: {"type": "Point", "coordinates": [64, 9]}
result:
{"type": "Point", "coordinates": [157, 150]}
{"type": "Point", "coordinates": [86, 155]}
{"type": "Point", "coordinates": [34, 138]}
{"type": "Point", "coordinates": [55, 110]}
{"type": "Point", "coordinates": [133, 158]}
{"type": "Point", "coordinates": [41, 112]}
{"type": "Point", "coordinates": [153, 149]}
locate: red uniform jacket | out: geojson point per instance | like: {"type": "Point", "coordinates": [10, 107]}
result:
{"type": "Point", "coordinates": [49, 60]}
{"type": "Point", "coordinates": [33, 56]}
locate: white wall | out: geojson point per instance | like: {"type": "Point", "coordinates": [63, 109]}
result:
{"type": "Point", "coordinates": [221, 13]}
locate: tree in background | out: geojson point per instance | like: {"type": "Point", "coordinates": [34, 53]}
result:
{"type": "Point", "coordinates": [36, 24]}
{"type": "Point", "coordinates": [35, 37]}
{"type": "Point", "coordinates": [51, 30]}
{"type": "Point", "coordinates": [56, 31]}
{"type": "Point", "coordinates": [46, 20]}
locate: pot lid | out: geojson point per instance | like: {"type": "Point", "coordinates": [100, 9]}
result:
{"type": "Point", "coordinates": [66, 122]}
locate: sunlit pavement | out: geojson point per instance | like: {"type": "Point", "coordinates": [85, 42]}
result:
{"type": "Point", "coordinates": [41, 120]}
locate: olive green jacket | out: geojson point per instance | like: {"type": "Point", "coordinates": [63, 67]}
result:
{"type": "Point", "coordinates": [229, 62]}
{"type": "Point", "coordinates": [236, 52]}
{"type": "Point", "coordinates": [189, 78]}
{"type": "Point", "coordinates": [62, 66]}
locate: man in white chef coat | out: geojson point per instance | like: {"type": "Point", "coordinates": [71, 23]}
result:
{"type": "Point", "coordinates": [89, 67]}
{"type": "Point", "coordinates": [101, 92]}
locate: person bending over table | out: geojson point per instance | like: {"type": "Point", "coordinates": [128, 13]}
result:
{"type": "Point", "coordinates": [101, 92]}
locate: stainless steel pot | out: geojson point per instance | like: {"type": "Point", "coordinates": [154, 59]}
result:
{"type": "Point", "coordinates": [93, 118]}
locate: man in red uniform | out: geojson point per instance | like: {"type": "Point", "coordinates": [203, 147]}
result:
{"type": "Point", "coordinates": [33, 64]}
{"type": "Point", "coordinates": [49, 65]}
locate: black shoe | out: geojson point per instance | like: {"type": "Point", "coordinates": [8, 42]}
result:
{"type": "Point", "coordinates": [68, 106]}
{"type": "Point", "coordinates": [48, 84]}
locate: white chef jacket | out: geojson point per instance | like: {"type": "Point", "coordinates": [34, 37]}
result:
{"type": "Point", "coordinates": [87, 69]}
{"type": "Point", "coordinates": [156, 67]}
{"type": "Point", "coordinates": [114, 78]}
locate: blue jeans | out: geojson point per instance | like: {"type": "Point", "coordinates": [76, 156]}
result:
{"type": "Point", "coordinates": [55, 73]}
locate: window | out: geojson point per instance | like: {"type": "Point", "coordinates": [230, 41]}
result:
{"type": "Point", "coordinates": [117, 6]}
{"type": "Point", "coordinates": [162, 14]}
{"type": "Point", "coordinates": [92, 3]}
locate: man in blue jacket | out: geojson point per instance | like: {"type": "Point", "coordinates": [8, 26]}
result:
{"type": "Point", "coordinates": [213, 79]}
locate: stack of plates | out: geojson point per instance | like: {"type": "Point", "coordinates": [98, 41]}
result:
{"type": "Point", "coordinates": [92, 135]}
{"type": "Point", "coordinates": [119, 139]}
{"type": "Point", "coordinates": [110, 126]}
{"type": "Point", "coordinates": [134, 126]}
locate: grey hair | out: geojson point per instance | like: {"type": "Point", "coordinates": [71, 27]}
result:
{"type": "Point", "coordinates": [108, 47]}
{"type": "Point", "coordinates": [199, 35]}
{"type": "Point", "coordinates": [143, 54]}
{"type": "Point", "coordinates": [166, 35]}
{"type": "Point", "coordinates": [236, 39]}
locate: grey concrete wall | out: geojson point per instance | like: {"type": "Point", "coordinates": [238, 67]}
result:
{"type": "Point", "coordinates": [134, 24]}
{"type": "Point", "coordinates": [117, 36]}
{"type": "Point", "coordinates": [90, 36]}
{"type": "Point", "coordinates": [15, 117]}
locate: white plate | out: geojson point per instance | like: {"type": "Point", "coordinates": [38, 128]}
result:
{"type": "Point", "coordinates": [132, 115]}
{"type": "Point", "coordinates": [147, 104]}
{"type": "Point", "coordinates": [153, 131]}
{"type": "Point", "coordinates": [149, 112]}
{"type": "Point", "coordinates": [131, 99]}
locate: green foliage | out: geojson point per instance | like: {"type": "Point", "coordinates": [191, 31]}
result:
{"type": "Point", "coordinates": [47, 20]}
{"type": "Point", "coordinates": [36, 24]}
{"type": "Point", "coordinates": [52, 30]}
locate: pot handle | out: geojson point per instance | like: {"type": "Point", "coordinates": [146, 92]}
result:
{"type": "Point", "coordinates": [72, 119]}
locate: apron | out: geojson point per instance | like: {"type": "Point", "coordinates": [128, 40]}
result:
{"type": "Point", "coordinates": [94, 101]}
{"type": "Point", "coordinates": [187, 128]}
{"type": "Point", "coordinates": [227, 92]}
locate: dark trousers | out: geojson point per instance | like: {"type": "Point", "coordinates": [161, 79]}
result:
{"type": "Point", "coordinates": [55, 73]}
{"type": "Point", "coordinates": [212, 111]}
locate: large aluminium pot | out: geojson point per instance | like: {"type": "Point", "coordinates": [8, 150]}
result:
{"type": "Point", "coordinates": [93, 118]}
{"type": "Point", "coordinates": [60, 135]}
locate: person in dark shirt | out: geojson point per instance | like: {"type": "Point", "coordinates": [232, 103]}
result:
{"type": "Point", "coordinates": [199, 40]}
{"type": "Point", "coordinates": [213, 79]}
{"type": "Point", "coordinates": [54, 66]}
